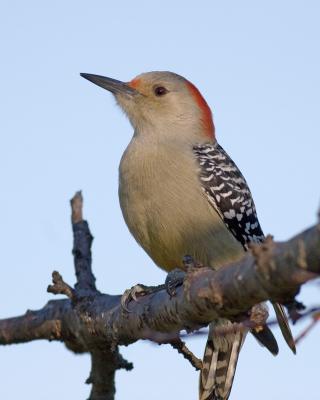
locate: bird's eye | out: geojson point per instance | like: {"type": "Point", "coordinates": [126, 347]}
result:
{"type": "Point", "coordinates": [160, 91]}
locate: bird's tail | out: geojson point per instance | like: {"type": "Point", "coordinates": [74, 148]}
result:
{"type": "Point", "coordinates": [220, 361]}
{"type": "Point", "coordinates": [284, 325]}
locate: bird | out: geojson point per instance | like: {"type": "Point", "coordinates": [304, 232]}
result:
{"type": "Point", "coordinates": [181, 194]}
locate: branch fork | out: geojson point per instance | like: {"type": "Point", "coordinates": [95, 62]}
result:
{"type": "Point", "coordinates": [89, 321]}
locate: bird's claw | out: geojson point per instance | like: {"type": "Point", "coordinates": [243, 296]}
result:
{"type": "Point", "coordinates": [137, 291]}
{"type": "Point", "coordinates": [174, 279]}
{"type": "Point", "coordinates": [133, 294]}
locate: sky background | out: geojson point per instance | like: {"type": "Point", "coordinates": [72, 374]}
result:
{"type": "Point", "coordinates": [257, 64]}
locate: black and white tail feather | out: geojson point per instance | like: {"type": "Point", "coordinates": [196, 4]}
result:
{"type": "Point", "coordinates": [219, 362]}
{"type": "Point", "coordinates": [228, 192]}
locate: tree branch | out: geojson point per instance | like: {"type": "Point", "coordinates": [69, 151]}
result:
{"type": "Point", "coordinates": [82, 247]}
{"type": "Point", "coordinates": [33, 325]}
{"type": "Point", "coordinates": [104, 364]}
{"type": "Point", "coordinates": [181, 347]}
{"type": "Point", "coordinates": [60, 287]}
{"type": "Point", "coordinates": [89, 321]}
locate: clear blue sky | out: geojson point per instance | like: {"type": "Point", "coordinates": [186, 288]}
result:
{"type": "Point", "coordinates": [257, 63]}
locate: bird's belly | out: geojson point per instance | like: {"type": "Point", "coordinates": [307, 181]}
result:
{"type": "Point", "coordinates": [171, 220]}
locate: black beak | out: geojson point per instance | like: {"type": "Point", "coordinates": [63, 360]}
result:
{"type": "Point", "coordinates": [114, 86]}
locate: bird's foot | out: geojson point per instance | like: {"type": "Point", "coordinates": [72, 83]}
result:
{"type": "Point", "coordinates": [137, 291]}
{"type": "Point", "coordinates": [175, 278]}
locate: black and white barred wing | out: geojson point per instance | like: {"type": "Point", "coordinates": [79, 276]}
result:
{"type": "Point", "coordinates": [228, 192]}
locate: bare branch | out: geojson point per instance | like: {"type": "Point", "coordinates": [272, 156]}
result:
{"type": "Point", "coordinates": [206, 294]}
{"type": "Point", "coordinates": [104, 365]}
{"type": "Point", "coordinates": [315, 320]}
{"type": "Point", "coordinates": [89, 321]}
{"type": "Point", "coordinates": [76, 208]}
{"type": "Point", "coordinates": [187, 354]}
{"type": "Point", "coordinates": [82, 247]}
{"type": "Point", "coordinates": [33, 325]}
{"type": "Point", "coordinates": [60, 287]}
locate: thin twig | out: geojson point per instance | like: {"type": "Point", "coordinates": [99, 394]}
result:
{"type": "Point", "coordinates": [76, 207]}
{"type": "Point", "coordinates": [313, 323]}
{"type": "Point", "coordinates": [82, 242]}
{"type": "Point", "coordinates": [179, 345]}
{"type": "Point", "coordinates": [60, 286]}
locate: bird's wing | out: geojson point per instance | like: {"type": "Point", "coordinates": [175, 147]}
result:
{"type": "Point", "coordinates": [228, 192]}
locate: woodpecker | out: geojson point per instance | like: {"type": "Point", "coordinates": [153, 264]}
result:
{"type": "Point", "coordinates": [180, 193]}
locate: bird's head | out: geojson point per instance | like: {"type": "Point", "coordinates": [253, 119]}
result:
{"type": "Point", "coordinates": [162, 103]}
